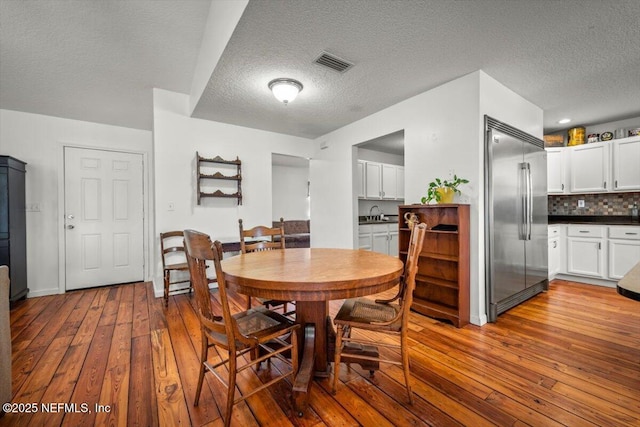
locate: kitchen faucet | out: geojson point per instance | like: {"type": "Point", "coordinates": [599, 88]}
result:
{"type": "Point", "coordinates": [371, 217]}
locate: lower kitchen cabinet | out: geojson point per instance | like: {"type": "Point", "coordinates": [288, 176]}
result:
{"type": "Point", "coordinates": [602, 252]}
{"type": "Point", "coordinates": [624, 250]}
{"type": "Point", "coordinates": [381, 238]}
{"type": "Point", "coordinates": [585, 250]}
{"type": "Point", "coordinates": [554, 256]}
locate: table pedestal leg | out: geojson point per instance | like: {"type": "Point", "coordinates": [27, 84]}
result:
{"type": "Point", "coordinates": [302, 383]}
{"type": "Point", "coordinates": [315, 312]}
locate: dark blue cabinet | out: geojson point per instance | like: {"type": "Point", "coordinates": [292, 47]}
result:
{"type": "Point", "coordinates": [13, 224]}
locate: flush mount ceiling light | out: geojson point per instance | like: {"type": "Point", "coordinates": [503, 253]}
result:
{"type": "Point", "coordinates": [285, 90]}
{"type": "Point", "coordinates": [563, 121]}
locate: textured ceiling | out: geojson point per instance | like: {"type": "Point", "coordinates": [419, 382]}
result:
{"type": "Point", "coordinates": [572, 58]}
{"type": "Point", "coordinates": [99, 60]}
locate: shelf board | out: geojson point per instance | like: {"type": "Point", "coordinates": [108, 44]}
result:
{"type": "Point", "coordinates": [218, 175]}
{"type": "Point", "coordinates": [448, 312]}
{"type": "Point", "coordinates": [437, 281]}
{"type": "Point", "coordinates": [219, 193]}
{"type": "Point", "coordinates": [219, 160]}
{"type": "Point", "coordinates": [443, 257]}
{"type": "Point", "coordinates": [441, 232]}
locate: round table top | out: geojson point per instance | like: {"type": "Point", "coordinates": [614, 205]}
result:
{"type": "Point", "coordinates": [312, 274]}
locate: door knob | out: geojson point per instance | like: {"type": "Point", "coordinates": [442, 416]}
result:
{"type": "Point", "coordinates": [70, 216]}
{"type": "Point", "coordinates": [70, 227]}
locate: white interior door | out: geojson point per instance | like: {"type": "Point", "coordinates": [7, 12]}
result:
{"type": "Point", "coordinates": [103, 217]}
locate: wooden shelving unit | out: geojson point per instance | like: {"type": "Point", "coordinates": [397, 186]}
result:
{"type": "Point", "coordinates": [211, 172]}
{"type": "Point", "coordinates": [442, 282]}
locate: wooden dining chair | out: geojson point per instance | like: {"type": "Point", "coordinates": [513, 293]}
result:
{"type": "Point", "coordinates": [260, 332]}
{"type": "Point", "coordinates": [264, 239]}
{"type": "Point", "coordinates": [173, 260]}
{"type": "Point", "coordinates": [382, 316]}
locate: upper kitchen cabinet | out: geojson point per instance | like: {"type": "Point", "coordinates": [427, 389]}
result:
{"type": "Point", "coordinates": [373, 177]}
{"type": "Point", "coordinates": [594, 168]}
{"type": "Point", "coordinates": [389, 181]}
{"type": "Point", "coordinates": [361, 179]}
{"type": "Point", "coordinates": [589, 168]}
{"type": "Point", "coordinates": [556, 170]}
{"type": "Point", "coordinates": [626, 164]}
{"type": "Point", "coordinates": [380, 181]}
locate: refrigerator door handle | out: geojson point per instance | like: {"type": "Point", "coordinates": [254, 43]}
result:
{"type": "Point", "coordinates": [524, 200]}
{"type": "Point", "coordinates": [529, 201]}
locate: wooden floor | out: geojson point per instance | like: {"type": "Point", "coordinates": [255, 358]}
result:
{"type": "Point", "coordinates": [567, 357]}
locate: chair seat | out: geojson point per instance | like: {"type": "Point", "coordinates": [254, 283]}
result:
{"type": "Point", "coordinates": [181, 266]}
{"type": "Point", "coordinates": [367, 313]}
{"type": "Point", "coordinates": [258, 323]}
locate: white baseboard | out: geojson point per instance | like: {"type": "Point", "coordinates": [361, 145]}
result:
{"type": "Point", "coordinates": [587, 280]}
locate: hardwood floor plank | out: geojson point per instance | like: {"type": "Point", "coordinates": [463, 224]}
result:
{"type": "Point", "coordinates": [30, 355]}
{"type": "Point", "coordinates": [172, 408]}
{"type": "Point", "coordinates": [89, 385]}
{"type": "Point", "coordinates": [140, 311]}
{"type": "Point", "coordinates": [188, 362]}
{"type": "Point", "coordinates": [143, 407]}
{"type": "Point", "coordinates": [565, 357]}
{"type": "Point", "coordinates": [87, 328]}
{"type": "Point", "coordinates": [115, 387]}
{"type": "Point", "coordinates": [37, 382]}
{"type": "Point", "coordinates": [75, 318]}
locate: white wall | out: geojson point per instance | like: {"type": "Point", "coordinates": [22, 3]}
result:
{"type": "Point", "coordinates": [443, 130]}
{"type": "Point", "coordinates": [38, 140]}
{"type": "Point", "coordinates": [177, 137]}
{"type": "Point", "coordinates": [289, 195]}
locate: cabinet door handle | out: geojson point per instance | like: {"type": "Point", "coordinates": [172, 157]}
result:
{"type": "Point", "coordinates": [562, 187]}
{"type": "Point", "coordinates": [631, 234]}
{"type": "Point", "coordinates": [605, 184]}
{"type": "Point", "coordinates": [615, 183]}
{"type": "Point", "coordinates": [555, 244]}
{"type": "Point", "coordinates": [584, 231]}
{"type": "Point", "coordinates": [599, 245]}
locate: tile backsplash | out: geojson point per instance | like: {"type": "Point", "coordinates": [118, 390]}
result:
{"type": "Point", "coordinates": [595, 204]}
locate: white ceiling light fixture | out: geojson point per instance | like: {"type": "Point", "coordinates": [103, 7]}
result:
{"type": "Point", "coordinates": [563, 121]}
{"type": "Point", "coordinates": [285, 90]}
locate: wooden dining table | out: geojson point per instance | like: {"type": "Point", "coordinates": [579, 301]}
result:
{"type": "Point", "coordinates": [312, 277]}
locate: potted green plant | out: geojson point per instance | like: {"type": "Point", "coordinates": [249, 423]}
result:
{"type": "Point", "coordinates": [443, 190]}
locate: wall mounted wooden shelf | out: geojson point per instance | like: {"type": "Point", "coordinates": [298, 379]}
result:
{"type": "Point", "coordinates": [210, 172]}
{"type": "Point", "coordinates": [442, 282]}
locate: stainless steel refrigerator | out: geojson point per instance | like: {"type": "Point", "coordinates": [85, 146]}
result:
{"type": "Point", "coordinates": [515, 217]}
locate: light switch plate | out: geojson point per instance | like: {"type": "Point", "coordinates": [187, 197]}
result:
{"type": "Point", "coordinates": [581, 203]}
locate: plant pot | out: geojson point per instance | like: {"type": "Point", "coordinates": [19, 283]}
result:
{"type": "Point", "coordinates": [446, 194]}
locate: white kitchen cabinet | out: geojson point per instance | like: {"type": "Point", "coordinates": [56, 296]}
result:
{"type": "Point", "coordinates": [373, 178]}
{"type": "Point", "coordinates": [389, 182]}
{"type": "Point", "coordinates": [380, 242]}
{"type": "Point", "coordinates": [585, 250]}
{"type": "Point", "coordinates": [400, 182]}
{"type": "Point", "coordinates": [626, 164]}
{"type": "Point", "coordinates": [556, 253]}
{"type": "Point", "coordinates": [381, 238]}
{"type": "Point", "coordinates": [361, 179]}
{"type": "Point", "coordinates": [556, 170]}
{"type": "Point", "coordinates": [624, 250]}
{"type": "Point", "coordinates": [393, 242]}
{"type": "Point", "coordinates": [554, 257]}
{"type": "Point", "coordinates": [380, 181]}
{"type": "Point", "coordinates": [364, 237]}
{"type": "Point", "coordinates": [589, 168]}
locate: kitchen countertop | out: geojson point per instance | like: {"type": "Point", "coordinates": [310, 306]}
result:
{"type": "Point", "coordinates": [392, 219]}
{"type": "Point", "coordinates": [592, 219]}
{"type": "Point", "coordinates": [629, 285]}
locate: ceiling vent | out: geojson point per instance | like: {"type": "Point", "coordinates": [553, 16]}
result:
{"type": "Point", "coordinates": [330, 61]}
